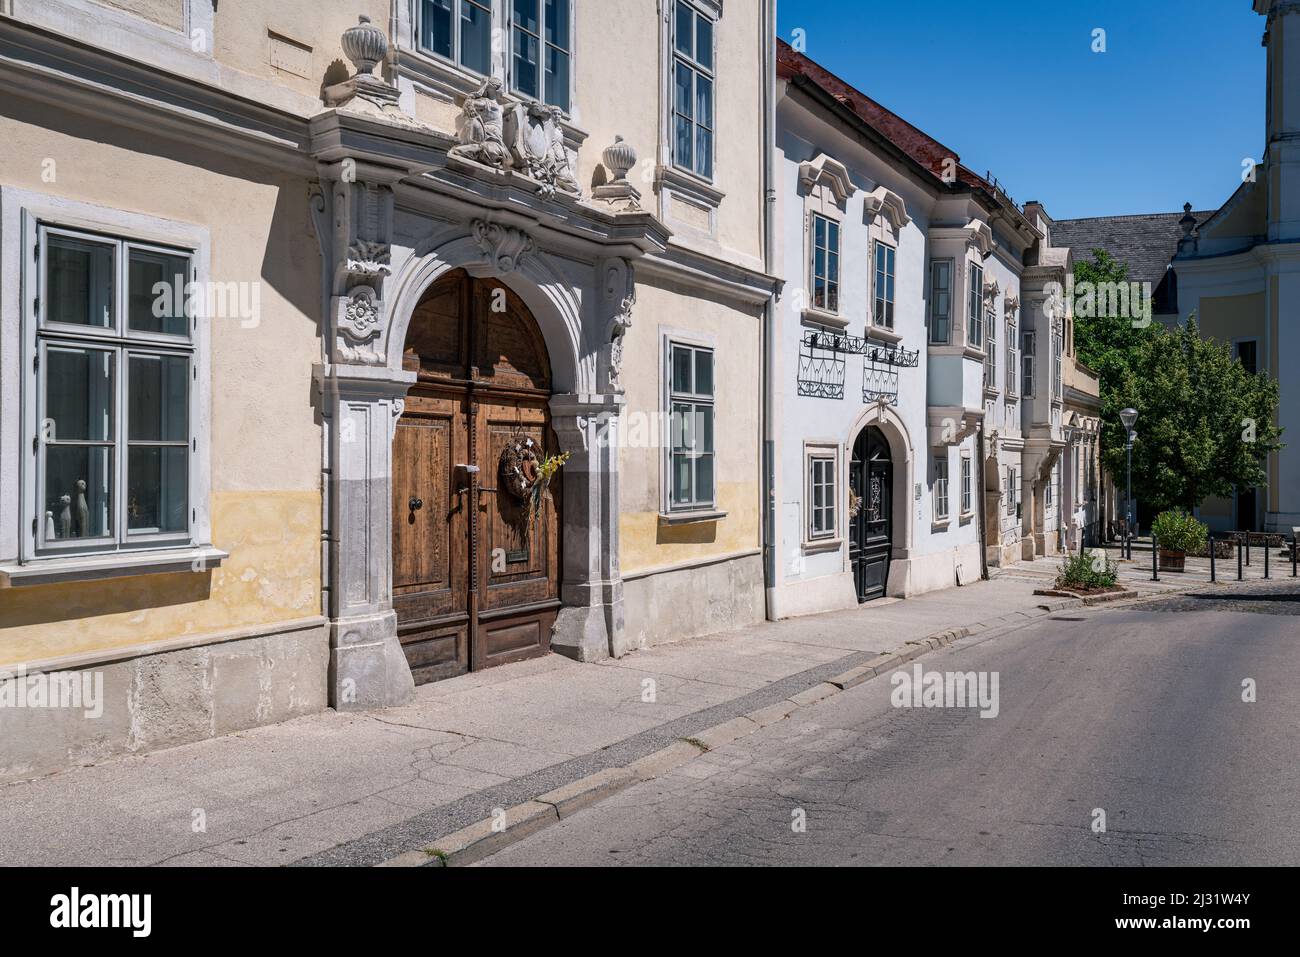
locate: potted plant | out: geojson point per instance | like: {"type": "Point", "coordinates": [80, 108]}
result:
{"type": "Point", "coordinates": [1177, 533]}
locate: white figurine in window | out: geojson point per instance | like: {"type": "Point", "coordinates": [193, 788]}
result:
{"type": "Point", "coordinates": [83, 511]}
{"type": "Point", "coordinates": [65, 516]}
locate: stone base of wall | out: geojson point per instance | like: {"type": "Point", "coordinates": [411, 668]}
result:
{"type": "Point", "coordinates": [813, 596]}
{"type": "Point", "coordinates": [161, 699]}
{"type": "Point", "coordinates": [999, 556]}
{"type": "Point", "coordinates": [691, 602]}
{"type": "Point", "coordinates": [1045, 544]}
{"type": "Point", "coordinates": [926, 573]}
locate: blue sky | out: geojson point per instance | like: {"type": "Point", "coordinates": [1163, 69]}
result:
{"type": "Point", "coordinates": [1165, 116]}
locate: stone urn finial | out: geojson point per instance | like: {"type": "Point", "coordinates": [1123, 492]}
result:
{"type": "Point", "coordinates": [365, 45]}
{"type": "Point", "coordinates": [619, 159]}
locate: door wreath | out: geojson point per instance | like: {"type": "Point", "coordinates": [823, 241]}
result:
{"type": "Point", "coordinates": [527, 473]}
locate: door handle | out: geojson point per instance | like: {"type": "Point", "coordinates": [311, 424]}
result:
{"type": "Point", "coordinates": [416, 503]}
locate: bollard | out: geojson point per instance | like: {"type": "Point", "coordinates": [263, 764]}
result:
{"type": "Point", "coordinates": [1238, 559]}
{"type": "Point", "coordinates": [1295, 546]}
{"type": "Point", "coordinates": [1266, 558]}
{"type": "Point", "coordinates": [1155, 573]}
{"type": "Point", "coordinates": [1248, 549]}
{"type": "Point", "coordinates": [1213, 576]}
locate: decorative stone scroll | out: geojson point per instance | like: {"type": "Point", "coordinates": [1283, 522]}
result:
{"type": "Point", "coordinates": [504, 247]}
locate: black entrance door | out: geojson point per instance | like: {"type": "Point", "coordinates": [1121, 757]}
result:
{"type": "Point", "coordinates": [871, 475]}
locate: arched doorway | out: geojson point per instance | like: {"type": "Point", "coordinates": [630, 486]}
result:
{"type": "Point", "coordinates": [871, 540]}
{"type": "Point", "coordinates": [476, 578]}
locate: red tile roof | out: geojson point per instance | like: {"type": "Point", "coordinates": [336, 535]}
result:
{"type": "Point", "coordinates": [924, 149]}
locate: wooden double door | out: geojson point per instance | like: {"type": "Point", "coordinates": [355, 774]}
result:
{"type": "Point", "coordinates": [871, 537]}
{"type": "Point", "coordinates": [475, 577]}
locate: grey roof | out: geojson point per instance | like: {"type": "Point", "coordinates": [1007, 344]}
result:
{"type": "Point", "coordinates": [1146, 242]}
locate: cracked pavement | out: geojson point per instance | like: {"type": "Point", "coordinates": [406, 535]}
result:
{"type": "Point", "coordinates": [1134, 711]}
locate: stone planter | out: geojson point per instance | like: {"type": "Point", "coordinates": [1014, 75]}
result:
{"type": "Point", "coordinates": [1172, 560]}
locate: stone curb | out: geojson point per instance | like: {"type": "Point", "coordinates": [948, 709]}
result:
{"type": "Point", "coordinates": [483, 838]}
{"type": "Point", "coordinates": [480, 840]}
{"type": "Point", "coordinates": [586, 791]}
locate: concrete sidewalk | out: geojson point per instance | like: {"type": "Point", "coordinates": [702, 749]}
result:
{"type": "Point", "coordinates": [362, 788]}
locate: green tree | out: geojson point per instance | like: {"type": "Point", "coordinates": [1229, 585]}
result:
{"type": "Point", "coordinates": [1205, 424]}
{"type": "Point", "coordinates": [1107, 344]}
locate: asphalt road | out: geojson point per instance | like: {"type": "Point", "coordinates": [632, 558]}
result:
{"type": "Point", "coordinates": [1137, 713]}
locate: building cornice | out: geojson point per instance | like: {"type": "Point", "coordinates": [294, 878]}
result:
{"type": "Point", "coordinates": [50, 68]}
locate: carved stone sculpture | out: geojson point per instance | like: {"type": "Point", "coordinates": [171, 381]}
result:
{"type": "Point", "coordinates": [619, 295]}
{"type": "Point", "coordinates": [619, 192]}
{"type": "Point", "coordinates": [366, 46]}
{"type": "Point", "coordinates": [370, 258]}
{"type": "Point", "coordinates": [509, 136]}
{"type": "Point", "coordinates": [482, 127]}
{"type": "Point", "coordinates": [360, 319]}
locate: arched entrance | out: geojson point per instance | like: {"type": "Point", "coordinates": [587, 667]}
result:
{"type": "Point", "coordinates": [476, 577]}
{"type": "Point", "coordinates": [871, 539]}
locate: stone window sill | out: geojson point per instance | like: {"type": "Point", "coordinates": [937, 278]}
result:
{"type": "Point", "coordinates": [688, 185]}
{"type": "Point", "coordinates": [44, 571]}
{"type": "Point", "coordinates": [690, 518]}
{"type": "Point", "coordinates": [819, 545]}
{"type": "Point", "coordinates": [819, 317]}
{"type": "Point", "coordinates": [941, 525]}
{"type": "Point", "coordinates": [884, 334]}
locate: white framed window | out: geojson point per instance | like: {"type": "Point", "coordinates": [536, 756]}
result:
{"type": "Point", "coordinates": [105, 460]}
{"type": "Point", "coordinates": [459, 31]}
{"type": "Point", "coordinates": [691, 459]}
{"type": "Point", "coordinates": [941, 301]}
{"type": "Point", "coordinates": [883, 283]}
{"type": "Point", "coordinates": [693, 89]}
{"type": "Point", "coordinates": [1013, 358]}
{"type": "Point", "coordinates": [975, 308]}
{"type": "Point", "coordinates": [991, 358]}
{"type": "Point", "coordinates": [967, 485]}
{"type": "Point", "coordinates": [541, 50]}
{"type": "Point", "coordinates": [941, 485]}
{"type": "Point", "coordinates": [825, 264]}
{"type": "Point", "coordinates": [1058, 387]}
{"type": "Point", "coordinates": [1027, 364]}
{"type": "Point", "coordinates": [1013, 490]}
{"type": "Point", "coordinates": [1049, 494]}
{"type": "Point", "coordinates": [822, 495]}
{"type": "Point", "coordinates": [114, 367]}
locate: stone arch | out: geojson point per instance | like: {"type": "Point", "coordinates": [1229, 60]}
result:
{"type": "Point", "coordinates": [555, 303]}
{"type": "Point", "coordinates": [886, 418]}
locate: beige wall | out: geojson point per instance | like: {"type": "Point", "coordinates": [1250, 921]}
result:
{"type": "Point", "coordinates": [646, 543]}
{"type": "Point", "coordinates": [167, 13]}
{"type": "Point", "coordinates": [265, 441]}
{"type": "Point", "coordinates": [1224, 318]}
{"type": "Point", "coordinates": [243, 37]}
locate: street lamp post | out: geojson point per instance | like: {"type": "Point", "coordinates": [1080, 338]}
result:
{"type": "Point", "coordinates": [1129, 418]}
